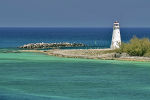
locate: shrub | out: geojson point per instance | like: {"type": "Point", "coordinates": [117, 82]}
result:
{"type": "Point", "coordinates": [147, 54]}
{"type": "Point", "coordinates": [135, 47]}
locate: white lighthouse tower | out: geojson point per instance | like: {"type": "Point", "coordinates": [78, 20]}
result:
{"type": "Point", "coordinates": [116, 38]}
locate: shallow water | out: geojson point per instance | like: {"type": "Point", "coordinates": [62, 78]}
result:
{"type": "Point", "coordinates": [34, 76]}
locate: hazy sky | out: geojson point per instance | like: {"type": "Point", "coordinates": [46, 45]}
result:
{"type": "Point", "coordinates": [74, 13]}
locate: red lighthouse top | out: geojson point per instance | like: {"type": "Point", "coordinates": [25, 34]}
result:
{"type": "Point", "coordinates": [116, 22]}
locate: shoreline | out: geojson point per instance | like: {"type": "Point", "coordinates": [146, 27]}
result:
{"type": "Point", "coordinates": [101, 54]}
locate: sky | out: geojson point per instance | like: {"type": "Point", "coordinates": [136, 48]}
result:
{"type": "Point", "coordinates": [74, 13]}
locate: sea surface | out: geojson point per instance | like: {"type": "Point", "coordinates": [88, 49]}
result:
{"type": "Point", "coordinates": [93, 37]}
{"type": "Point", "coordinates": [36, 76]}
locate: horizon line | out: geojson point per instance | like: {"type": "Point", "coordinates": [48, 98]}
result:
{"type": "Point", "coordinates": [62, 27]}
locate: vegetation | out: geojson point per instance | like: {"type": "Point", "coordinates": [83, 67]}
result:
{"type": "Point", "coordinates": [136, 47]}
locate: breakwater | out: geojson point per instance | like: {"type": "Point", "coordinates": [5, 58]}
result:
{"type": "Point", "coordinates": [103, 54]}
{"type": "Point", "coordinates": [50, 45]}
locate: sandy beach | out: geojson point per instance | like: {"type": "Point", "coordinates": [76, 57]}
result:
{"type": "Point", "coordinates": [104, 54]}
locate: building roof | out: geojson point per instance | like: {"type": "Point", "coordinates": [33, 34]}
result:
{"type": "Point", "coordinates": [116, 22]}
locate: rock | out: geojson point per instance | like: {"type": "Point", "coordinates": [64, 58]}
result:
{"type": "Point", "coordinates": [50, 45]}
{"type": "Point", "coordinates": [125, 55]}
{"type": "Point", "coordinates": [119, 55]}
{"type": "Point", "coordinates": [107, 56]}
{"type": "Point", "coordinates": [114, 55]}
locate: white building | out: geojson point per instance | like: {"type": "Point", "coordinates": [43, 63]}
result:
{"type": "Point", "coordinates": [116, 38]}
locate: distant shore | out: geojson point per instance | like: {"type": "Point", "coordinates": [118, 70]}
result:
{"type": "Point", "coordinates": [103, 54]}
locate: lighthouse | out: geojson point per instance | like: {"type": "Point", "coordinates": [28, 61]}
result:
{"type": "Point", "coordinates": [116, 38]}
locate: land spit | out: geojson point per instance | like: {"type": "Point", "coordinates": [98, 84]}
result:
{"type": "Point", "coordinates": [50, 45]}
{"type": "Point", "coordinates": [104, 54]}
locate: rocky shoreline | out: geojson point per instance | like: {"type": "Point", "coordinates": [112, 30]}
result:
{"type": "Point", "coordinates": [90, 54]}
{"type": "Point", "coordinates": [50, 45]}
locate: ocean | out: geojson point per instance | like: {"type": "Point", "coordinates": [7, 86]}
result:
{"type": "Point", "coordinates": [93, 37]}
{"type": "Point", "coordinates": [35, 76]}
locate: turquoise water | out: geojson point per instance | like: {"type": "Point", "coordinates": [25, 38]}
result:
{"type": "Point", "coordinates": [33, 76]}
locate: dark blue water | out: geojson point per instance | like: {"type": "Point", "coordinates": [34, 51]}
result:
{"type": "Point", "coordinates": [93, 37]}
